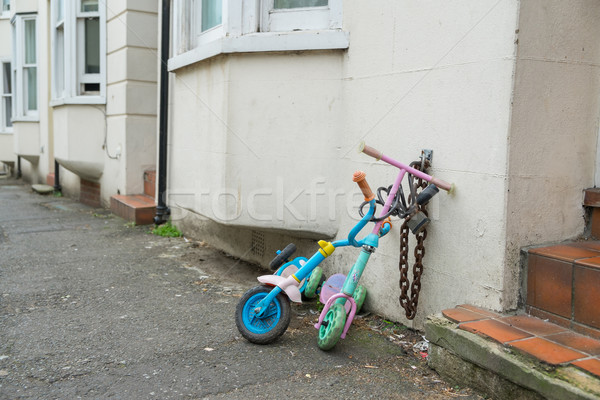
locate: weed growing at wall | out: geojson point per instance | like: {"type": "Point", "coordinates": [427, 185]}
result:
{"type": "Point", "coordinates": [167, 230]}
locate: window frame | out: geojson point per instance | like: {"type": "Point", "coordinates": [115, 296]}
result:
{"type": "Point", "coordinates": [198, 35]}
{"type": "Point", "coordinates": [4, 118]}
{"type": "Point", "coordinates": [301, 18]}
{"type": "Point", "coordinates": [4, 13]}
{"type": "Point", "coordinates": [20, 93]}
{"type": "Point", "coordinates": [68, 58]}
{"type": "Point", "coordinates": [244, 30]}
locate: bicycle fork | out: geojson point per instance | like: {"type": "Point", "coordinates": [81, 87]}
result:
{"type": "Point", "coordinates": [350, 284]}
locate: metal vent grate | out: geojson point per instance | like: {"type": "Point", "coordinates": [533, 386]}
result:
{"type": "Point", "coordinates": [258, 244]}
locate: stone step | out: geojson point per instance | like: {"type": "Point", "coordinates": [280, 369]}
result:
{"type": "Point", "coordinates": [138, 208]}
{"type": "Point", "coordinates": [513, 356]}
{"type": "Point", "coordinates": [42, 189]}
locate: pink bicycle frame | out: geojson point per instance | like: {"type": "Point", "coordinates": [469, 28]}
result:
{"type": "Point", "coordinates": [378, 155]}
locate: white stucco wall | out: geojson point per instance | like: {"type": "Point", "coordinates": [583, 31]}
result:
{"type": "Point", "coordinates": [78, 138]}
{"type": "Point", "coordinates": [7, 154]}
{"type": "Point", "coordinates": [132, 39]}
{"type": "Point", "coordinates": [554, 127]}
{"type": "Point", "coordinates": [245, 128]}
{"type": "Point", "coordinates": [5, 43]}
{"type": "Point", "coordinates": [23, 6]}
{"type": "Point", "coordinates": [441, 81]}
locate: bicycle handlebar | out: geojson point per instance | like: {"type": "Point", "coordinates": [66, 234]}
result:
{"type": "Point", "coordinates": [378, 155]}
{"type": "Point", "coordinates": [360, 178]}
{"type": "Point", "coordinates": [370, 151]}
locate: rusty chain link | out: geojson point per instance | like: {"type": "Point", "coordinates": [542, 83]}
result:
{"type": "Point", "coordinates": [410, 303]}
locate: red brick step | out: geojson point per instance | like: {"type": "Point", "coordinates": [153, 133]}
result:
{"type": "Point", "coordinates": [137, 208]}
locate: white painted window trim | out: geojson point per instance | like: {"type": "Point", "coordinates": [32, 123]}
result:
{"type": "Point", "coordinates": [244, 30]}
{"type": "Point", "coordinates": [4, 14]}
{"type": "Point", "coordinates": [4, 129]}
{"type": "Point", "coordinates": [308, 18]}
{"type": "Point", "coordinates": [73, 56]}
{"type": "Point", "coordinates": [19, 94]}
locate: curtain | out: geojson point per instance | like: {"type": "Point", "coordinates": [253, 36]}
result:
{"type": "Point", "coordinates": [299, 3]}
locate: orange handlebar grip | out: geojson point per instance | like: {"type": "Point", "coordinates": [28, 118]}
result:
{"type": "Point", "coordinates": [360, 178]}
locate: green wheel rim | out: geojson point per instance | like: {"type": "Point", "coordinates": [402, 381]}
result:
{"type": "Point", "coordinates": [359, 297]}
{"type": "Point", "coordinates": [331, 331]}
{"type": "Point", "coordinates": [313, 283]}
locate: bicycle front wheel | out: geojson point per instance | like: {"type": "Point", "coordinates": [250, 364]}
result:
{"type": "Point", "coordinates": [266, 328]}
{"type": "Point", "coordinates": [359, 297]}
{"type": "Point", "coordinates": [332, 327]}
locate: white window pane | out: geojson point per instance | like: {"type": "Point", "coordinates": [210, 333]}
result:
{"type": "Point", "coordinates": [30, 45]}
{"type": "Point", "coordinates": [299, 3]}
{"type": "Point", "coordinates": [92, 46]}
{"type": "Point", "coordinates": [211, 13]}
{"type": "Point", "coordinates": [6, 81]}
{"type": "Point", "coordinates": [31, 85]}
{"type": "Point", "coordinates": [89, 5]}
{"type": "Point", "coordinates": [5, 5]}
{"type": "Point", "coordinates": [7, 111]}
{"type": "Point", "coordinates": [60, 10]}
{"type": "Point", "coordinates": [60, 64]}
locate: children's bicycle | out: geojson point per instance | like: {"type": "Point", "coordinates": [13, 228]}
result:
{"type": "Point", "coordinates": [263, 313]}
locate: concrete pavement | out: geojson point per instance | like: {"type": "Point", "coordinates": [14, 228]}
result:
{"type": "Point", "coordinates": [93, 308]}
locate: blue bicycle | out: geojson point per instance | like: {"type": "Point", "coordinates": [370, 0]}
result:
{"type": "Point", "coordinates": [263, 313]}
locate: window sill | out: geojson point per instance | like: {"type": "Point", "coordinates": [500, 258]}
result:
{"type": "Point", "coordinates": [78, 100]}
{"type": "Point", "coordinates": [6, 132]}
{"type": "Point", "coordinates": [264, 42]}
{"type": "Point", "coordinates": [26, 119]}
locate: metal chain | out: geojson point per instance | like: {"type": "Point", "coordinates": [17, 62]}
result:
{"type": "Point", "coordinates": [410, 303]}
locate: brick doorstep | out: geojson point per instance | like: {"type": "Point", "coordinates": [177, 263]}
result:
{"type": "Point", "coordinates": [490, 367]}
{"type": "Point", "coordinates": [545, 341]}
{"type": "Point", "coordinates": [563, 281]}
{"type": "Point", "coordinates": [136, 208]}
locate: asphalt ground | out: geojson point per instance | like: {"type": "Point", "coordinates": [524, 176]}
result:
{"type": "Point", "coordinates": [92, 307]}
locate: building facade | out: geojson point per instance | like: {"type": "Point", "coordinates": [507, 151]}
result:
{"type": "Point", "coordinates": [269, 100]}
{"type": "Point", "coordinates": [84, 94]}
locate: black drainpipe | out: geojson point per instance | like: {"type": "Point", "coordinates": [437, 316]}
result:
{"type": "Point", "coordinates": [162, 211]}
{"type": "Point", "coordinates": [57, 187]}
{"type": "Point", "coordinates": [19, 174]}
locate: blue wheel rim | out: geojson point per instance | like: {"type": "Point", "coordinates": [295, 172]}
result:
{"type": "Point", "coordinates": [265, 323]}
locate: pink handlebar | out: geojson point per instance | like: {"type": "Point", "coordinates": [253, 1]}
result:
{"type": "Point", "coordinates": [378, 155]}
{"type": "Point", "coordinates": [370, 151]}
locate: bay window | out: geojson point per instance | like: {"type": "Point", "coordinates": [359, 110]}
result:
{"type": "Point", "coordinates": [205, 28]}
{"type": "Point", "coordinates": [24, 68]}
{"type": "Point", "coordinates": [78, 51]}
{"type": "Point", "coordinates": [5, 96]}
